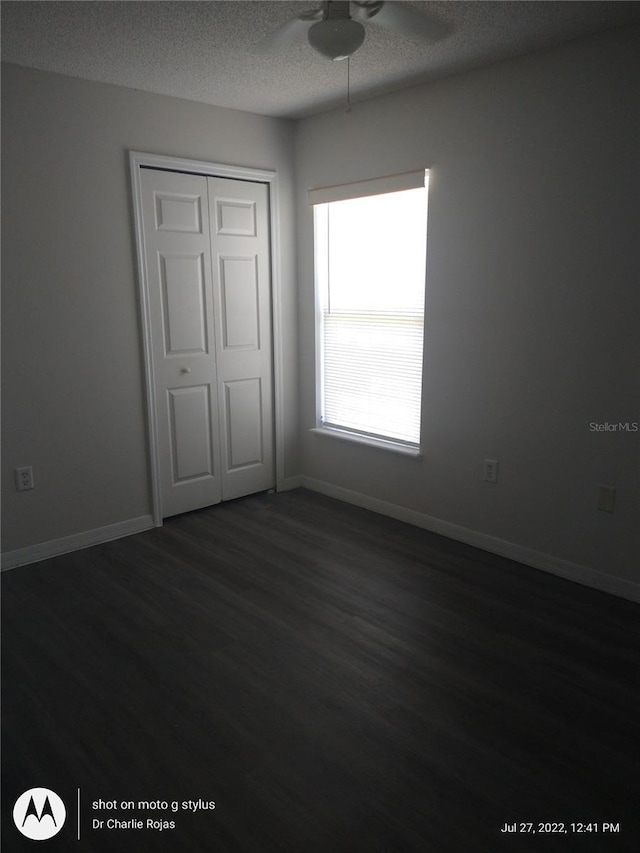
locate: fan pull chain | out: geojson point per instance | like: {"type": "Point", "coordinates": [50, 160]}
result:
{"type": "Point", "coordinates": [348, 84]}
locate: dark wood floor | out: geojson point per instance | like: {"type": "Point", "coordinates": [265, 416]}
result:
{"type": "Point", "coordinates": [337, 682]}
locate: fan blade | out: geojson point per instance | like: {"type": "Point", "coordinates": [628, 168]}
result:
{"type": "Point", "coordinates": [289, 33]}
{"type": "Point", "coordinates": [398, 16]}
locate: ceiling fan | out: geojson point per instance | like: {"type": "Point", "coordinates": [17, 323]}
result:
{"type": "Point", "coordinates": [336, 29]}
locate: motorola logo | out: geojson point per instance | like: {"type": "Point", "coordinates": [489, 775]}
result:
{"type": "Point", "coordinates": [39, 814]}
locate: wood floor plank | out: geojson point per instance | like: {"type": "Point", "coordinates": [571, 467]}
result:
{"type": "Point", "coordinates": [334, 680]}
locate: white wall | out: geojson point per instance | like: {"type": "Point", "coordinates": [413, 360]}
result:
{"type": "Point", "coordinates": [532, 297]}
{"type": "Point", "coordinates": [73, 398]}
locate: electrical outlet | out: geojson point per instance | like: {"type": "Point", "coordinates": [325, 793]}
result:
{"type": "Point", "coordinates": [491, 470]}
{"type": "Point", "coordinates": [606, 498]}
{"type": "Point", "coordinates": [24, 478]}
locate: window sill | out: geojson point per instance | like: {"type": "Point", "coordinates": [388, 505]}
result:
{"type": "Point", "coordinates": [369, 441]}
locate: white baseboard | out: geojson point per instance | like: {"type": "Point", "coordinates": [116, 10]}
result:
{"type": "Point", "coordinates": [536, 559]}
{"type": "Point", "coordinates": [44, 550]}
{"type": "Point", "coordinates": [288, 483]}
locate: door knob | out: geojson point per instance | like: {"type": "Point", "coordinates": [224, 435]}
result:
{"type": "Point", "coordinates": [185, 370]}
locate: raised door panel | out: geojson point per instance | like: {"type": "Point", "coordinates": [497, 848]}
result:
{"type": "Point", "coordinates": [190, 433]}
{"type": "Point", "coordinates": [239, 296]}
{"type": "Point", "coordinates": [180, 212]}
{"type": "Point", "coordinates": [243, 409]}
{"type": "Point", "coordinates": [236, 216]}
{"type": "Point", "coordinates": [183, 295]}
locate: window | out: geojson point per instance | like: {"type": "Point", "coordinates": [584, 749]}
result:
{"type": "Point", "coordinates": [370, 245]}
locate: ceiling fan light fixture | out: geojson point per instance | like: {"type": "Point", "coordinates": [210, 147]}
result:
{"type": "Point", "coordinates": [336, 38]}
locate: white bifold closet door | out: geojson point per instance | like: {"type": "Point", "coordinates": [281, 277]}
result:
{"type": "Point", "coordinates": [208, 268]}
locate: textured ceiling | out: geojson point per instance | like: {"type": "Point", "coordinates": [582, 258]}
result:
{"type": "Point", "coordinates": [209, 51]}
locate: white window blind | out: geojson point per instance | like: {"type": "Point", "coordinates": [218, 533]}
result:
{"type": "Point", "coordinates": [373, 186]}
{"type": "Point", "coordinates": [370, 275]}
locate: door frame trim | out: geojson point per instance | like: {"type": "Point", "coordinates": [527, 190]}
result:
{"type": "Point", "coordinates": [137, 160]}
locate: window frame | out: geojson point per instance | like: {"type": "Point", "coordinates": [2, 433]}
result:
{"type": "Point", "coordinates": [376, 186]}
